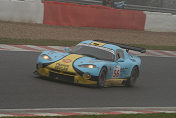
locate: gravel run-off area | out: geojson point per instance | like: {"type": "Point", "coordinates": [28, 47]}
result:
{"type": "Point", "coordinates": [14, 30]}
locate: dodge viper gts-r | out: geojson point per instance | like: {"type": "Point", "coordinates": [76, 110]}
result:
{"type": "Point", "coordinates": [92, 62]}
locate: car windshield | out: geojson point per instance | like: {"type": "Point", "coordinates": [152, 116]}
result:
{"type": "Point", "coordinates": [100, 53]}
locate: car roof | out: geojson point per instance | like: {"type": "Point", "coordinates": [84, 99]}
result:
{"type": "Point", "coordinates": [105, 45]}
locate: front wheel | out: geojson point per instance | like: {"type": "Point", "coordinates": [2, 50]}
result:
{"type": "Point", "coordinates": [134, 75]}
{"type": "Point", "coordinates": [102, 78]}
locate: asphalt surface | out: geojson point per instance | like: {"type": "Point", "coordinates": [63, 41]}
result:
{"type": "Point", "coordinates": [19, 89]}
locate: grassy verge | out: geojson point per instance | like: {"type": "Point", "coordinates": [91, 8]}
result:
{"type": "Point", "coordinates": [52, 42]}
{"type": "Point", "coordinates": [161, 115]}
{"type": "Point", "coordinates": [44, 42]}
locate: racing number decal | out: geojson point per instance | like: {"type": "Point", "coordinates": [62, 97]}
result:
{"type": "Point", "coordinates": [116, 72]}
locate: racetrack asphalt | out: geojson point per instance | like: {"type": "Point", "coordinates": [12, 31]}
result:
{"type": "Point", "coordinates": [20, 89]}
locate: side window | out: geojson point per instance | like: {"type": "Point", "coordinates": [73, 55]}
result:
{"type": "Point", "coordinates": [119, 54]}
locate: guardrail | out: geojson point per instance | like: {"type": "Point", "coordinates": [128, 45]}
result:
{"type": "Point", "coordinates": [126, 6]}
{"type": "Point", "coordinates": [148, 8]}
{"type": "Point", "coordinates": [82, 2]}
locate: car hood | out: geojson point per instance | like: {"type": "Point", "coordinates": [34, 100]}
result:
{"type": "Point", "coordinates": [70, 61]}
{"type": "Point", "coordinates": [87, 60]}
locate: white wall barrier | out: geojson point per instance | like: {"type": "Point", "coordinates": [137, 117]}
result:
{"type": "Point", "coordinates": [28, 11]}
{"type": "Point", "coordinates": [160, 22]}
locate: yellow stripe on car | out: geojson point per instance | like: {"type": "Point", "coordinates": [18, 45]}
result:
{"type": "Point", "coordinates": [97, 44]}
{"type": "Point", "coordinates": [66, 63]}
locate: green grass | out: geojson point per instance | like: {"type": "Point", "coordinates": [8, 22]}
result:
{"type": "Point", "coordinates": [45, 42]}
{"type": "Point", "coordinates": [160, 115]}
{"type": "Point", "coordinates": [51, 42]}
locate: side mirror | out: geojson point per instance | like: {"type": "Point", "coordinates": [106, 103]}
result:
{"type": "Point", "coordinates": [120, 60]}
{"type": "Point", "coordinates": [67, 49]}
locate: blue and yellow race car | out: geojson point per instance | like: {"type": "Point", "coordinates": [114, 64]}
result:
{"type": "Point", "coordinates": [92, 62]}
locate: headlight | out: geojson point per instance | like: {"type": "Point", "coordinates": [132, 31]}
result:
{"type": "Point", "coordinates": [87, 66]}
{"type": "Point", "coordinates": [46, 57]}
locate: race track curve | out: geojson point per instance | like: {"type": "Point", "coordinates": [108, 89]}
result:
{"type": "Point", "coordinates": [19, 89]}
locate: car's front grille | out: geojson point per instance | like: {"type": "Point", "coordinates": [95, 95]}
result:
{"type": "Point", "coordinates": [58, 71]}
{"type": "Point", "coordinates": [61, 77]}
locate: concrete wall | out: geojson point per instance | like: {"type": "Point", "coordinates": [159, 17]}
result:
{"type": "Point", "coordinates": [29, 11]}
{"type": "Point", "coordinates": [160, 22]}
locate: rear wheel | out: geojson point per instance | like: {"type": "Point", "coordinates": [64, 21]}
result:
{"type": "Point", "coordinates": [102, 78]}
{"type": "Point", "coordinates": [134, 75]}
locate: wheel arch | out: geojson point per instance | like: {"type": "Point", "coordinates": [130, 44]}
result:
{"type": "Point", "coordinates": [135, 66]}
{"type": "Point", "coordinates": [102, 68]}
{"type": "Point", "coordinates": [101, 79]}
{"type": "Point", "coordinates": [105, 68]}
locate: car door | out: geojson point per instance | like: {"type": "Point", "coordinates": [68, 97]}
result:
{"type": "Point", "coordinates": [120, 68]}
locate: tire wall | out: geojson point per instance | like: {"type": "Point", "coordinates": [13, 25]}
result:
{"type": "Point", "coordinates": [160, 22]}
{"type": "Point", "coordinates": [68, 14]}
{"type": "Point", "coordinates": [28, 11]}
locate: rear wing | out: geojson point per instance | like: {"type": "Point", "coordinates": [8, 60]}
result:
{"type": "Point", "coordinates": [124, 46]}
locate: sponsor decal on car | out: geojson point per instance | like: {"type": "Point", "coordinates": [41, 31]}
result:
{"type": "Point", "coordinates": [61, 67]}
{"type": "Point", "coordinates": [67, 60]}
{"type": "Point", "coordinates": [65, 64]}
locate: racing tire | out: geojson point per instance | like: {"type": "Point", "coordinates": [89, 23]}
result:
{"type": "Point", "coordinates": [102, 78]}
{"type": "Point", "coordinates": [134, 75]}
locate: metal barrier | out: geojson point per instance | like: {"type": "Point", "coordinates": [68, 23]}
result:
{"type": "Point", "coordinates": [82, 2]}
{"type": "Point", "coordinates": [148, 8]}
{"type": "Point", "coordinates": [126, 6]}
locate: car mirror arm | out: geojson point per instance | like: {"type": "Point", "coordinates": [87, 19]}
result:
{"type": "Point", "coordinates": [67, 49]}
{"type": "Point", "coordinates": [120, 60]}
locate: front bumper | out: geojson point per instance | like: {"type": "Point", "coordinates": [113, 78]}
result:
{"type": "Point", "coordinates": [66, 77]}
{"type": "Point", "coordinates": [77, 78]}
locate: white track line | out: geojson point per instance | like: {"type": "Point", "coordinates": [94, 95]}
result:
{"type": "Point", "coordinates": [171, 52]}
{"type": "Point", "coordinates": [47, 114]}
{"type": "Point", "coordinates": [58, 47]}
{"type": "Point", "coordinates": [90, 113]}
{"type": "Point", "coordinates": [36, 47]}
{"type": "Point", "coordinates": [6, 115]}
{"type": "Point", "coordinates": [9, 47]}
{"type": "Point", "coordinates": [156, 53]}
{"type": "Point", "coordinates": [128, 112]}
{"type": "Point", "coordinates": [166, 111]}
